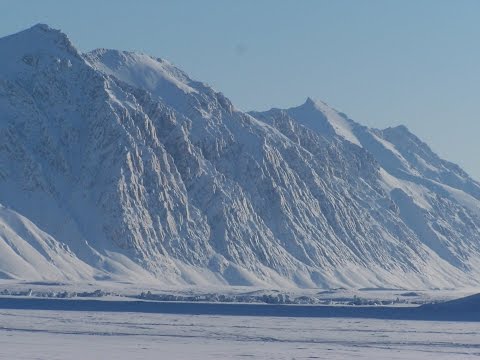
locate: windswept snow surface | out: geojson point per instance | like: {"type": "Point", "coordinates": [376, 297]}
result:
{"type": "Point", "coordinates": [47, 335]}
{"type": "Point", "coordinates": [118, 166]}
{"type": "Point", "coordinates": [48, 322]}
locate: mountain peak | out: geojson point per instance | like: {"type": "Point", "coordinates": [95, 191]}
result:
{"type": "Point", "coordinates": [42, 32]}
{"type": "Point", "coordinates": [318, 106]}
{"type": "Point", "coordinates": [309, 101]}
{"type": "Point", "coordinates": [315, 103]}
{"type": "Point", "coordinates": [31, 43]}
{"type": "Point", "coordinates": [400, 128]}
{"type": "Point", "coordinates": [42, 27]}
{"type": "Point", "coordinates": [319, 116]}
{"type": "Point", "coordinates": [402, 131]}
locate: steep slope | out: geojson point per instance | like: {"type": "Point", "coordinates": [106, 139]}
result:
{"type": "Point", "coordinates": [71, 155]}
{"type": "Point", "coordinates": [29, 253]}
{"type": "Point", "coordinates": [143, 173]}
{"type": "Point", "coordinates": [433, 198]}
{"type": "Point", "coordinates": [353, 162]}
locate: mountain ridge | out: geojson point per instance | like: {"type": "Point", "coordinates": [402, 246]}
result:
{"type": "Point", "coordinates": [144, 173]}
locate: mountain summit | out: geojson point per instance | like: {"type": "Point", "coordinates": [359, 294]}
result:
{"type": "Point", "coordinates": [117, 165]}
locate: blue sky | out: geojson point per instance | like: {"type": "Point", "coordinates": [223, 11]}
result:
{"type": "Point", "coordinates": [383, 62]}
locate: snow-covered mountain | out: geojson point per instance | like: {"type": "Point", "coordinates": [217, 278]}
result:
{"type": "Point", "coordinates": [118, 165]}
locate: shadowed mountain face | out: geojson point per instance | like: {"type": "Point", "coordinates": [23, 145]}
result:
{"type": "Point", "coordinates": [138, 172]}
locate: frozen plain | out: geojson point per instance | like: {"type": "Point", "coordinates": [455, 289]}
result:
{"type": "Point", "coordinates": [27, 334]}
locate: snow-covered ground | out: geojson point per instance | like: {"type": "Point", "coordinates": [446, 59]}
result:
{"type": "Point", "coordinates": [26, 334]}
{"type": "Point", "coordinates": [111, 290]}
{"type": "Point", "coordinates": [108, 320]}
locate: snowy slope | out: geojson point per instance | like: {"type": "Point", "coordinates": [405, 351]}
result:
{"type": "Point", "coordinates": [29, 253]}
{"type": "Point", "coordinates": [144, 173]}
{"type": "Point", "coordinates": [433, 198]}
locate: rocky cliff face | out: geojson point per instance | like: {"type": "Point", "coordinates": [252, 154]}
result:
{"type": "Point", "coordinates": [139, 172]}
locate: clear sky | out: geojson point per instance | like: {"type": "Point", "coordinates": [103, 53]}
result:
{"type": "Point", "coordinates": [383, 62]}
